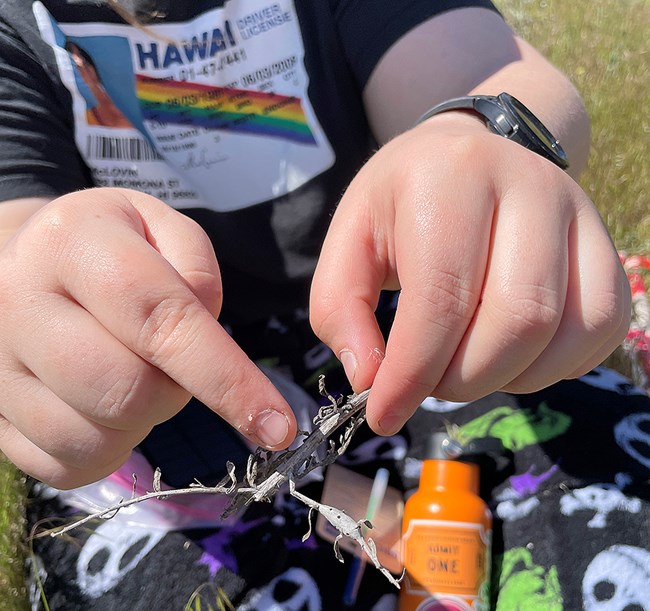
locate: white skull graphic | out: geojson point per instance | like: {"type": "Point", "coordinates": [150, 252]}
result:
{"type": "Point", "coordinates": [111, 552]}
{"type": "Point", "coordinates": [601, 498]}
{"type": "Point", "coordinates": [617, 579]}
{"type": "Point", "coordinates": [294, 590]}
{"type": "Point", "coordinates": [633, 435]}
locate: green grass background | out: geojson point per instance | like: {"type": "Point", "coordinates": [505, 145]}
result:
{"type": "Point", "coordinates": [602, 45]}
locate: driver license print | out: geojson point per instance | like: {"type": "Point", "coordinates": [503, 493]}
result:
{"type": "Point", "coordinates": [212, 112]}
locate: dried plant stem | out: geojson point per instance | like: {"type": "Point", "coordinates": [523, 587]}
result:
{"type": "Point", "coordinates": [267, 472]}
{"type": "Point", "coordinates": [109, 512]}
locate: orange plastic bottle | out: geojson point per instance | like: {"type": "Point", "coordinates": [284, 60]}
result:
{"type": "Point", "coordinates": [446, 537]}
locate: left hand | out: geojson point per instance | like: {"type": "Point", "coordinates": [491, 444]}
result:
{"type": "Point", "coordinates": [508, 278]}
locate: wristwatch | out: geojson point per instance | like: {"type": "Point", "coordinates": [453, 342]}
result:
{"type": "Point", "coordinates": [506, 116]}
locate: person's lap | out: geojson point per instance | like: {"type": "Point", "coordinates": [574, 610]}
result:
{"type": "Point", "coordinates": [569, 497]}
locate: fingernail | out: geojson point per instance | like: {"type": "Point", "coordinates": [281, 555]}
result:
{"type": "Point", "coordinates": [390, 424]}
{"type": "Point", "coordinates": [349, 362]}
{"type": "Point", "coordinates": [271, 428]}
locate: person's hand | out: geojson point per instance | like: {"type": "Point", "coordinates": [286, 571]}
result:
{"type": "Point", "coordinates": [508, 277]}
{"type": "Point", "coordinates": [109, 301]}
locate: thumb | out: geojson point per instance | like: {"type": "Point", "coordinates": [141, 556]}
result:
{"type": "Point", "coordinates": [344, 295]}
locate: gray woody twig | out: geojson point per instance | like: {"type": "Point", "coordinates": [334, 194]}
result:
{"type": "Point", "coordinates": [266, 473]}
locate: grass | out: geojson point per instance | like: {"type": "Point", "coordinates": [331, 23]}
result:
{"type": "Point", "coordinates": [12, 540]}
{"type": "Point", "coordinates": [602, 46]}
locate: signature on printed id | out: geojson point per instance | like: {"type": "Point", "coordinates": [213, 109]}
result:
{"type": "Point", "coordinates": [201, 159]}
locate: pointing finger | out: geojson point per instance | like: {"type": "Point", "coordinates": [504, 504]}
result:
{"type": "Point", "coordinates": [145, 303]}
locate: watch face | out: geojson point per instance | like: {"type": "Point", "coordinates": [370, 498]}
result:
{"type": "Point", "coordinates": [534, 127]}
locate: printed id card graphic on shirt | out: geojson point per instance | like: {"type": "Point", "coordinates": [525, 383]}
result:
{"type": "Point", "coordinates": [212, 112]}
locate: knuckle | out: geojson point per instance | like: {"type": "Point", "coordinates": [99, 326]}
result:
{"type": "Point", "coordinates": [64, 477]}
{"type": "Point", "coordinates": [88, 451]}
{"type": "Point", "coordinates": [322, 318]}
{"type": "Point", "coordinates": [528, 310]}
{"type": "Point", "coordinates": [57, 220]}
{"type": "Point", "coordinates": [96, 452]}
{"type": "Point", "coordinates": [120, 403]}
{"type": "Point", "coordinates": [447, 293]}
{"type": "Point", "coordinates": [165, 328]}
{"type": "Point", "coordinates": [607, 313]}
{"type": "Point", "coordinates": [464, 149]}
{"type": "Point", "coordinates": [206, 283]}
{"type": "Point", "coordinates": [58, 443]}
{"type": "Point", "coordinates": [142, 398]}
{"type": "Point", "coordinates": [57, 457]}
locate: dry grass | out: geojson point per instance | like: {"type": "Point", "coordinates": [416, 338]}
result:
{"type": "Point", "coordinates": [603, 47]}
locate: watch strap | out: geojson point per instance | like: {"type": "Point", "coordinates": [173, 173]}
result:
{"type": "Point", "coordinates": [501, 118]}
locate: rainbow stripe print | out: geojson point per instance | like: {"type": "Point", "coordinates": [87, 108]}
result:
{"type": "Point", "coordinates": [234, 110]}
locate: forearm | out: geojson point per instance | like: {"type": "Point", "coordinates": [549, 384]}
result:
{"type": "Point", "coordinates": [551, 96]}
{"type": "Point", "coordinates": [14, 213]}
{"type": "Point", "coordinates": [472, 51]}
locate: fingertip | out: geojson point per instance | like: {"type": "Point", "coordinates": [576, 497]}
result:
{"type": "Point", "coordinates": [273, 429]}
{"type": "Point", "coordinates": [392, 402]}
{"type": "Point", "coordinates": [361, 372]}
{"type": "Point", "coordinates": [385, 415]}
{"type": "Point", "coordinates": [388, 424]}
{"type": "Point", "coordinates": [350, 364]}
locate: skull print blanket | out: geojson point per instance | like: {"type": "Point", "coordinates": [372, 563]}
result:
{"type": "Point", "coordinates": [569, 496]}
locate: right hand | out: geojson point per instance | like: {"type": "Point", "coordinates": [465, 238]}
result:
{"type": "Point", "coordinates": [109, 301]}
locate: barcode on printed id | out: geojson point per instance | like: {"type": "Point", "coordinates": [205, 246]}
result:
{"type": "Point", "coordinates": [120, 149]}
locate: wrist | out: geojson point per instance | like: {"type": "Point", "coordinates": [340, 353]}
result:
{"type": "Point", "coordinates": [460, 120]}
{"type": "Point", "coordinates": [509, 118]}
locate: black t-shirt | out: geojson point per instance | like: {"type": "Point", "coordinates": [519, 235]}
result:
{"type": "Point", "coordinates": [246, 114]}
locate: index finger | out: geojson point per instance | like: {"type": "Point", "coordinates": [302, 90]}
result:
{"type": "Point", "coordinates": [144, 302]}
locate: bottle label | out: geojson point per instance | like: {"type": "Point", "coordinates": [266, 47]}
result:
{"type": "Point", "coordinates": [447, 558]}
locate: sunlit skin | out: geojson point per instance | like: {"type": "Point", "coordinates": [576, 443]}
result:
{"type": "Point", "coordinates": [508, 278]}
